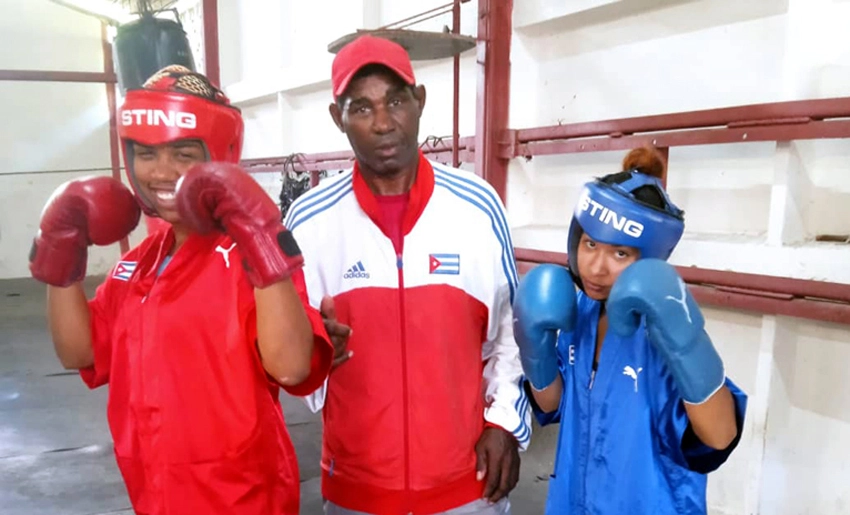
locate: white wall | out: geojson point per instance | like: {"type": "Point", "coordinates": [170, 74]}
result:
{"type": "Point", "coordinates": [752, 207]}
{"type": "Point", "coordinates": [52, 132]}
{"type": "Point", "coordinates": [282, 79]}
{"type": "Point", "coordinates": [619, 60]}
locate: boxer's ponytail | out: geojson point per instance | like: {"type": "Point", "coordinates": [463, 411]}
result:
{"type": "Point", "coordinates": [646, 160]}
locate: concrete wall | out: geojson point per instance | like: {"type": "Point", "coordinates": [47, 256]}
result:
{"type": "Point", "coordinates": [750, 207]}
{"type": "Point", "coordinates": [52, 132]}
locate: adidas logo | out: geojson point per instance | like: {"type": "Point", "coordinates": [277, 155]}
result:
{"type": "Point", "coordinates": [356, 272]}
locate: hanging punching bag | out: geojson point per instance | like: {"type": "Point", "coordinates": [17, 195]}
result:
{"type": "Point", "coordinates": [144, 46]}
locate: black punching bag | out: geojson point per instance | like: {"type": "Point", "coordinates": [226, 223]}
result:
{"type": "Point", "coordinates": [147, 45]}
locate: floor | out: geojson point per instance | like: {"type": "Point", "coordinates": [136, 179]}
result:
{"type": "Point", "coordinates": [55, 448]}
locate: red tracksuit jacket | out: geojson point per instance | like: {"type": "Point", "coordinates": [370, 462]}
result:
{"type": "Point", "coordinates": [434, 355]}
{"type": "Point", "coordinates": [196, 421]}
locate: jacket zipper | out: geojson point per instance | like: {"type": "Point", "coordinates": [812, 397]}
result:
{"type": "Point", "coordinates": [143, 323]}
{"type": "Point", "coordinates": [400, 266]}
{"type": "Point", "coordinates": [588, 447]}
{"type": "Point", "coordinates": [589, 440]}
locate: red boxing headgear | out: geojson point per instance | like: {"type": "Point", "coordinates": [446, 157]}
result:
{"type": "Point", "coordinates": [178, 104]}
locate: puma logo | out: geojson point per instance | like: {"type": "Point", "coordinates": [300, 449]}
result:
{"type": "Point", "coordinates": [225, 253]}
{"type": "Point", "coordinates": [629, 371]}
{"type": "Point", "coordinates": [683, 300]}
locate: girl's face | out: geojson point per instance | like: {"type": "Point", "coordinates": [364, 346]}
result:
{"type": "Point", "coordinates": [600, 264]}
{"type": "Point", "coordinates": [158, 168]}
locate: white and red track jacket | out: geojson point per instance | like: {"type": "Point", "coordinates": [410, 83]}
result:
{"type": "Point", "coordinates": [434, 355]}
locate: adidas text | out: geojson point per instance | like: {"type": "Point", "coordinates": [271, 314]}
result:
{"type": "Point", "coordinates": [356, 275]}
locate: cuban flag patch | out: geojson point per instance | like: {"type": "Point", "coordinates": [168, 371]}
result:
{"type": "Point", "coordinates": [444, 264]}
{"type": "Point", "coordinates": [124, 270]}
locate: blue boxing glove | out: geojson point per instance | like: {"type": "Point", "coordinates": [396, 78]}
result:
{"type": "Point", "coordinates": [674, 323]}
{"type": "Point", "coordinates": [545, 302]}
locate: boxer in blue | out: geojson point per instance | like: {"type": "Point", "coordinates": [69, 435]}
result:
{"type": "Point", "coordinates": [624, 364]}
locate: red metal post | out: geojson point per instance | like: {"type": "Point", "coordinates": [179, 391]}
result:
{"type": "Point", "coordinates": [212, 70]}
{"type": "Point", "coordinates": [494, 80]}
{"type": "Point", "coordinates": [114, 145]}
{"type": "Point", "coordinates": [456, 118]}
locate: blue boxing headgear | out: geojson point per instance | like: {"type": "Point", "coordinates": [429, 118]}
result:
{"type": "Point", "coordinates": [609, 212]}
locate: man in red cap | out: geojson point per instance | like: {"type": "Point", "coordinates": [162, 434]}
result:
{"type": "Point", "coordinates": [423, 412]}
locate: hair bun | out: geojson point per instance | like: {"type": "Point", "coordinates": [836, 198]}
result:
{"type": "Point", "coordinates": [646, 160]}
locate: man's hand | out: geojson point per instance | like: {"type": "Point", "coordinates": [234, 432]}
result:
{"type": "Point", "coordinates": [339, 333]}
{"type": "Point", "coordinates": [498, 461]}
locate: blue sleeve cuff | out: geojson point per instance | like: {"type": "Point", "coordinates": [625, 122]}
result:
{"type": "Point", "coordinates": [543, 418]}
{"type": "Point", "coordinates": [702, 458]}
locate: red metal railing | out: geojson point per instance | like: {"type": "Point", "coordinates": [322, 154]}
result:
{"type": "Point", "coordinates": [437, 149]}
{"type": "Point", "coordinates": [814, 300]}
{"type": "Point", "coordinates": [114, 142]}
{"type": "Point", "coordinates": [809, 119]}
{"type": "Point", "coordinates": [783, 121]}
{"type": "Point", "coordinates": [56, 76]}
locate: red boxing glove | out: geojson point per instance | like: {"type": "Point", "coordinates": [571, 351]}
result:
{"type": "Point", "coordinates": [222, 195]}
{"type": "Point", "coordinates": [82, 212]}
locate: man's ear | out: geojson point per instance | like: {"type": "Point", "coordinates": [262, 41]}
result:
{"type": "Point", "coordinates": [336, 114]}
{"type": "Point", "coordinates": [419, 95]}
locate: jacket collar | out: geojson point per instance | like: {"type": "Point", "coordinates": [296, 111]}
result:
{"type": "Point", "coordinates": [420, 194]}
{"type": "Point", "coordinates": [154, 251]}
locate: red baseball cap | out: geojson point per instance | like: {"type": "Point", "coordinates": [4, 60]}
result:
{"type": "Point", "coordinates": [367, 50]}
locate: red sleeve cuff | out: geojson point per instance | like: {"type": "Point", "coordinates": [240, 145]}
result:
{"type": "Point", "coordinates": [321, 361]}
{"type": "Point", "coordinates": [98, 374]}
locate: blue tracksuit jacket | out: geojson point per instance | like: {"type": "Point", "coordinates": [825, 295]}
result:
{"type": "Point", "coordinates": [624, 445]}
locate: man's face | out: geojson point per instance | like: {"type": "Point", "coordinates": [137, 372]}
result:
{"type": "Point", "coordinates": [380, 115]}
